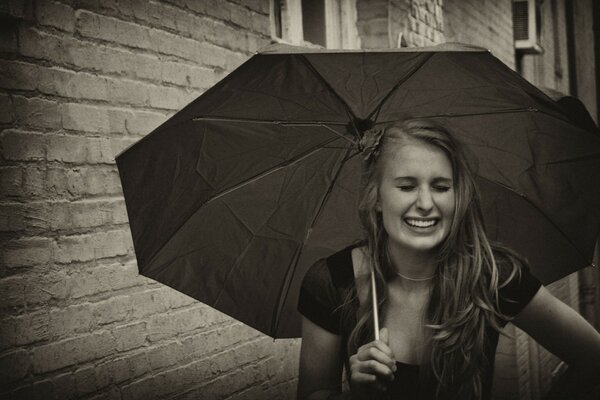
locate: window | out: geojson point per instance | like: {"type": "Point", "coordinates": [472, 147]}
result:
{"type": "Point", "coordinates": [320, 23]}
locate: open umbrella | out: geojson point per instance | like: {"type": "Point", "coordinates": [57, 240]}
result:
{"type": "Point", "coordinates": [234, 197]}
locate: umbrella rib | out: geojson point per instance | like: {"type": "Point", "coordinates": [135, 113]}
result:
{"type": "Point", "coordinates": [311, 67]}
{"type": "Point", "coordinates": [271, 122]}
{"type": "Point", "coordinates": [508, 111]}
{"type": "Point", "coordinates": [291, 272]}
{"type": "Point", "coordinates": [275, 168]}
{"type": "Point", "coordinates": [396, 86]}
{"type": "Point", "coordinates": [538, 209]}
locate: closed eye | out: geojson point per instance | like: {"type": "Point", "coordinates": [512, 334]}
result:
{"type": "Point", "coordinates": [442, 188]}
{"type": "Point", "coordinates": [406, 188]}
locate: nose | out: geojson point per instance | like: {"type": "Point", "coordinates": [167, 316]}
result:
{"type": "Point", "coordinates": [424, 200]}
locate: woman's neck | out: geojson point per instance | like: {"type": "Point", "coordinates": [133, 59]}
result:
{"type": "Point", "coordinates": [413, 268]}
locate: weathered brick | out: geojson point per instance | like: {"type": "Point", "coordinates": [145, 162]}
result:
{"type": "Point", "coordinates": [72, 351]}
{"type": "Point", "coordinates": [130, 336]}
{"type": "Point", "coordinates": [22, 146]}
{"type": "Point", "coordinates": [36, 112]}
{"type": "Point", "coordinates": [66, 321]}
{"type": "Point", "coordinates": [40, 390]}
{"type": "Point", "coordinates": [132, 306]}
{"type": "Point", "coordinates": [23, 329]}
{"type": "Point", "coordinates": [61, 215]}
{"type": "Point", "coordinates": [27, 252]}
{"type": "Point", "coordinates": [57, 15]}
{"type": "Point", "coordinates": [14, 366]}
{"type": "Point", "coordinates": [165, 355]}
{"type": "Point", "coordinates": [81, 149]}
{"type": "Point", "coordinates": [8, 36]}
{"type": "Point", "coordinates": [102, 279]}
{"type": "Point", "coordinates": [92, 246]}
{"type": "Point", "coordinates": [162, 326]}
{"type": "Point", "coordinates": [6, 109]}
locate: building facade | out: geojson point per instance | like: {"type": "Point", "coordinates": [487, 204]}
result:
{"type": "Point", "coordinates": [82, 80]}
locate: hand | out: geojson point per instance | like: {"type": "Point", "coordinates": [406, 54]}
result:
{"type": "Point", "coordinates": [372, 367]}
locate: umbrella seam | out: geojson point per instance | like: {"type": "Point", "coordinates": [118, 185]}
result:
{"type": "Point", "coordinates": [275, 168]}
{"type": "Point", "coordinates": [283, 295]}
{"type": "Point", "coordinates": [312, 68]}
{"type": "Point", "coordinates": [538, 209]}
{"type": "Point", "coordinates": [377, 109]}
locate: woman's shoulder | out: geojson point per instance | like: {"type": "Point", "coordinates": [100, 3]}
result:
{"type": "Point", "coordinates": [516, 284]}
{"type": "Point", "coordinates": [335, 270]}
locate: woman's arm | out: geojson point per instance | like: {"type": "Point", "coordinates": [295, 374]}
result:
{"type": "Point", "coordinates": [321, 363]}
{"type": "Point", "coordinates": [566, 334]}
{"type": "Point", "coordinates": [321, 366]}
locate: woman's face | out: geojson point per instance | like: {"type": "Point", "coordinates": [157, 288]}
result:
{"type": "Point", "coordinates": [416, 194]}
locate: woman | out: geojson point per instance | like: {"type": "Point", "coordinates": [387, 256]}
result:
{"type": "Point", "coordinates": [444, 291]}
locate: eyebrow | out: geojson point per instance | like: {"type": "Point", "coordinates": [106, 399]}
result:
{"type": "Point", "coordinates": [434, 180]}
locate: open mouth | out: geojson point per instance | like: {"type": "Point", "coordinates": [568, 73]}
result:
{"type": "Point", "coordinates": [421, 223]}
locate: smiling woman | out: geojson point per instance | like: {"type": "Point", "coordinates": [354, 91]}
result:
{"type": "Point", "coordinates": [445, 290]}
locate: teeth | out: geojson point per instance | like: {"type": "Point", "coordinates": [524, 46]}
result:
{"type": "Point", "coordinates": [421, 223]}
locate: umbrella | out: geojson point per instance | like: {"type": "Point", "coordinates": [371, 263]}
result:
{"type": "Point", "coordinates": [234, 197]}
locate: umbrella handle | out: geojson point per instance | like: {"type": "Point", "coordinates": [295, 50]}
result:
{"type": "Point", "coordinates": [374, 298]}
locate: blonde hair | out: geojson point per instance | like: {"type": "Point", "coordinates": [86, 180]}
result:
{"type": "Point", "coordinates": [464, 296]}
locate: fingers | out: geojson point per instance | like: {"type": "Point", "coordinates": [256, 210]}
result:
{"type": "Point", "coordinates": [376, 353]}
{"type": "Point", "coordinates": [376, 369]}
{"type": "Point", "coordinates": [368, 380]}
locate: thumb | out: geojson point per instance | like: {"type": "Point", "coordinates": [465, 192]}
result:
{"type": "Point", "coordinates": [383, 335]}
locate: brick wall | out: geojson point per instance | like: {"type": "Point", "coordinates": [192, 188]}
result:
{"type": "Point", "coordinates": [482, 23]}
{"type": "Point", "coordinates": [79, 82]}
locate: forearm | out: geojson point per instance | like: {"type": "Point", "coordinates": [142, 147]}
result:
{"type": "Point", "coordinates": [575, 384]}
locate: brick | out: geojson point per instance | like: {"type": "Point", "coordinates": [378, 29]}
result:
{"type": "Point", "coordinates": [89, 118]}
{"type": "Point", "coordinates": [131, 306]}
{"type": "Point", "coordinates": [6, 109]}
{"type": "Point", "coordinates": [72, 351]}
{"type": "Point", "coordinates": [113, 30]}
{"type": "Point", "coordinates": [40, 390]}
{"type": "Point", "coordinates": [69, 320]}
{"type": "Point", "coordinates": [165, 355]}
{"type": "Point", "coordinates": [130, 336]}
{"type": "Point", "coordinates": [163, 326]}
{"type": "Point", "coordinates": [85, 380]}
{"type": "Point", "coordinates": [142, 123]}
{"type": "Point", "coordinates": [24, 329]}
{"type": "Point", "coordinates": [102, 119]}
{"type": "Point", "coordinates": [113, 371]}
{"type": "Point", "coordinates": [14, 366]}
{"type": "Point", "coordinates": [8, 37]}
{"type": "Point", "coordinates": [27, 252]}
{"type": "Point", "coordinates": [56, 15]}
{"type": "Point", "coordinates": [88, 150]}
{"type": "Point", "coordinates": [209, 342]}
{"type": "Point", "coordinates": [23, 146]}
{"type": "Point", "coordinates": [104, 279]}
{"type": "Point", "coordinates": [36, 112]}
{"type": "Point", "coordinates": [80, 248]}
{"type": "Point", "coordinates": [39, 216]}
{"type": "Point", "coordinates": [64, 385]}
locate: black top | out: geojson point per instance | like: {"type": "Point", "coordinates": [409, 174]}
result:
{"type": "Point", "coordinates": [324, 289]}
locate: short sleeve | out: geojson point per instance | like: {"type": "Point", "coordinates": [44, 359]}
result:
{"type": "Point", "coordinates": [318, 300]}
{"type": "Point", "coordinates": [518, 291]}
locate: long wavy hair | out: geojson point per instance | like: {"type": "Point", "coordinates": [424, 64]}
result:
{"type": "Point", "coordinates": [464, 294]}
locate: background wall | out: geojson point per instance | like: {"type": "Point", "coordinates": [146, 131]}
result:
{"type": "Point", "coordinates": [79, 82]}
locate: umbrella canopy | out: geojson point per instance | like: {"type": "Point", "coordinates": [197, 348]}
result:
{"type": "Point", "coordinates": [233, 198]}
